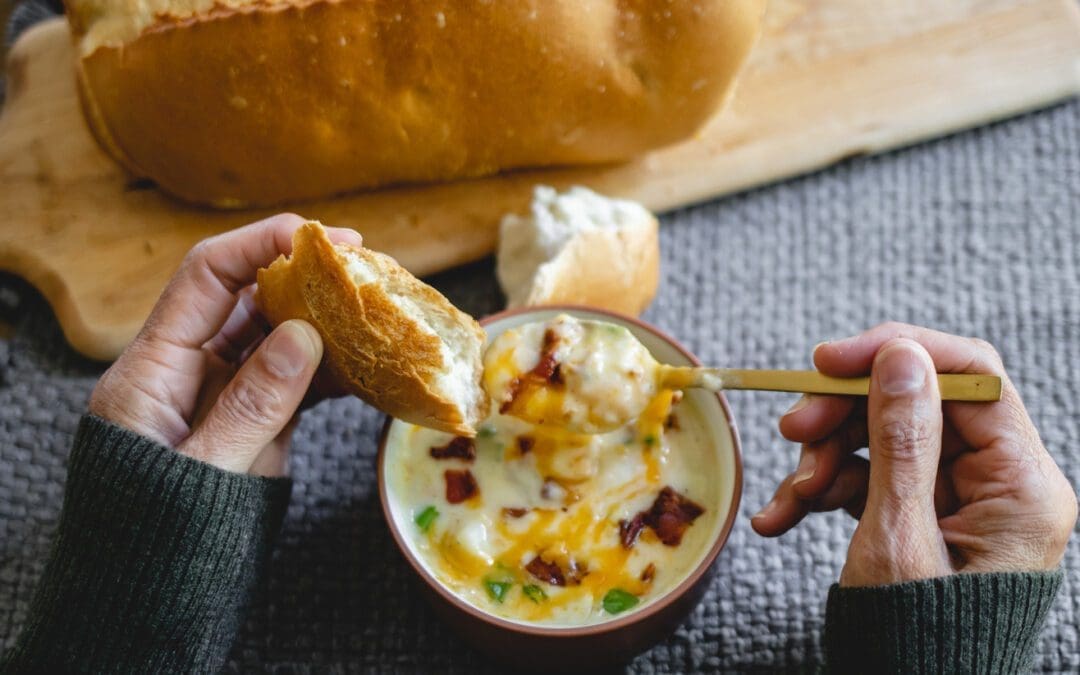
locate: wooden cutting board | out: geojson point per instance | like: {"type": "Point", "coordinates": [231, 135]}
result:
{"type": "Point", "coordinates": [830, 79]}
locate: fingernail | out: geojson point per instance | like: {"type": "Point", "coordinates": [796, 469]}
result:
{"type": "Point", "coordinates": [348, 236]}
{"type": "Point", "coordinates": [837, 344]}
{"type": "Point", "coordinates": [807, 464]}
{"type": "Point", "coordinates": [900, 370]}
{"type": "Point", "coordinates": [803, 401]}
{"type": "Point", "coordinates": [765, 510]}
{"type": "Point", "coordinates": [290, 349]}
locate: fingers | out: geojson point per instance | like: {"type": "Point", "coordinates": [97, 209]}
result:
{"type": "Point", "coordinates": [812, 418]}
{"type": "Point", "coordinates": [898, 537]}
{"type": "Point", "coordinates": [201, 296]}
{"type": "Point", "coordinates": [783, 512]}
{"type": "Point", "coordinates": [977, 425]}
{"type": "Point", "coordinates": [787, 509]}
{"type": "Point", "coordinates": [853, 356]}
{"type": "Point", "coordinates": [820, 462]}
{"type": "Point", "coordinates": [849, 490]}
{"type": "Point", "coordinates": [257, 405]}
{"type": "Point", "coordinates": [241, 330]}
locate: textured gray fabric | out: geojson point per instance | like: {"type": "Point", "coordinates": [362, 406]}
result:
{"type": "Point", "coordinates": [977, 234]}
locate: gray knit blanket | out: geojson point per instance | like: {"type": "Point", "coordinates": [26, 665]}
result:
{"type": "Point", "coordinates": [977, 234]}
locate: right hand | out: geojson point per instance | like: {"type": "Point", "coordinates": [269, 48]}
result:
{"type": "Point", "coordinates": [959, 487]}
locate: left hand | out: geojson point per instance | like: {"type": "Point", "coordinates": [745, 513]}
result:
{"type": "Point", "coordinates": [199, 377]}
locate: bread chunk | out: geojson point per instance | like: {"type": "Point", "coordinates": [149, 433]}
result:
{"type": "Point", "coordinates": [388, 337]}
{"type": "Point", "coordinates": [580, 248]}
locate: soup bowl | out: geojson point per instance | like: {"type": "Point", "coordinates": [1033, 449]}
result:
{"type": "Point", "coordinates": [590, 632]}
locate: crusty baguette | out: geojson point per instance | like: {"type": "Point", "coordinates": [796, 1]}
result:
{"type": "Point", "coordinates": [388, 337]}
{"type": "Point", "coordinates": [580, 248]}
{"type": "Point", "coordinates": [249, 102]}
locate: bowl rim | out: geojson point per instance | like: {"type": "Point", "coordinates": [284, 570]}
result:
{"type": "Point", "coordinates": [657, 606]}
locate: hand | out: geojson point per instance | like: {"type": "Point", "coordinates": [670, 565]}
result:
{"type": "Point", "coordinates": [959, 487]}
{"type": "Point", "coordinates": [199, 376]}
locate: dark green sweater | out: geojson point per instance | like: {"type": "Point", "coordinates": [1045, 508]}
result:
{"type": "Point", "coordinates": [156, 555]}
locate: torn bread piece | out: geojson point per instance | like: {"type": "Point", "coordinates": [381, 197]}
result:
{"type": "Point", "coordinates": [581, 248]}
{"type": "Point", "coordinates": [388, 337]}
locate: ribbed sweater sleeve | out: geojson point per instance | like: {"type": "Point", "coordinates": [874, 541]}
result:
{"type": "Point", "coordinates": [154, 558]}
{"type": "Point", "coordinates": [964, 623]}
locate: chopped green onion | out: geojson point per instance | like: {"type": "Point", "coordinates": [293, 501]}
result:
{"type": "Point", "coordinates": [425, 518]}
{"type": "Point", "coordinates": [649, 440]}
{"type": "Point", "coordinates": [485, 431]}
{"type": "Point", "coordinates": [534, 593]}
{"type": "Point", "coordinates": [617, 600]}
{"type": "Point", "coordinates": [497, 589]}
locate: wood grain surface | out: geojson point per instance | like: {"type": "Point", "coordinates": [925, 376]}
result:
{"type": "Point", "coordinates": [830, 79]}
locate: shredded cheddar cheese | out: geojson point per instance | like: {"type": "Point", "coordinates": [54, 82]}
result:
{"type": "Point", "coordinates": [560, 498]}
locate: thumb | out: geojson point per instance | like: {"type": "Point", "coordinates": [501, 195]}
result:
{"type": "Point", "coordinates": [899, 527]}
{"type": "Point", "coordinates": [260, 400]}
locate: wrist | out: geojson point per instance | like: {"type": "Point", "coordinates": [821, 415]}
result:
{"type": "Point", "coordinates": [877, 558]}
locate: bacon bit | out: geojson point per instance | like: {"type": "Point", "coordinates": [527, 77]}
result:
{"type": "Point", "coordinates": [672, 422]}
{"type": "Point", "coordinates": [547, 367]}
{"type": "Point", "coordinates": [459, 448]}
{"type": "Point", "coordinates": [547, 371]}
{"type": "Point", "coordinates": [648, 573]}
{"type": "Point", "coordinates": [550, 342]}
{"type": "Point", "coordinates": [514, 511]}
{"type": "Point", "coordinates": [548, 572]}
{"type": "Point", "coordinates": [525, 444]}
{"type": "Point", "coordinates": [670, 515]}
{"type": "Point", "coordinates": [629, 530]}
{"type": "Point", "coordinates": [552, 573]}
{"type": "Point", "coordinates": [556, 376]}
{"type": "Point", "coordinates": [460, 485]}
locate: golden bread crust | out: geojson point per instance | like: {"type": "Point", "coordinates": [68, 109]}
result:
{"type": "Point", "coordinates": [616, 269]}
{"type": "Point", "coordinates": [372, 348]}
{"type": "Point", "coordinates": [269, 103]}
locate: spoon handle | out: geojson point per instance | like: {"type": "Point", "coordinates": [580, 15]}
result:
{"type": "Point", "coordinates": [953, 387]}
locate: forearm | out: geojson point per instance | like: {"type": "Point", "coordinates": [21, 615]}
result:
{"type": "Point", "coordinates": [956, 623]}
{"type": "Point", "coordinates": [154, 558]}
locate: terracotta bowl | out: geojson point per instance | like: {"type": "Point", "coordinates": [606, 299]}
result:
{"type": "Point", "coordinates": [560, 649]}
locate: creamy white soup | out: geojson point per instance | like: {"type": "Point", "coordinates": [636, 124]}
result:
{"type": "Point", "coordinates": [543, 526]}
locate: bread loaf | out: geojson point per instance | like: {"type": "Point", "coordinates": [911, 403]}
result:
{"type": "Point", "coordinates": [257, 102]}
{"type": "Point", "coordinates": [387, 337]}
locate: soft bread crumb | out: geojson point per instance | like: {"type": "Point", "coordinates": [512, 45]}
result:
{"type": "Point", "coordinates": [457, 376]}
{"type": "Point", "coordinates": [539, 253]}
